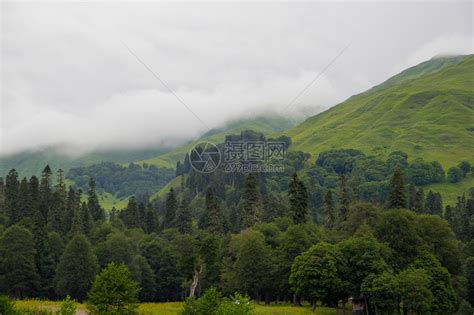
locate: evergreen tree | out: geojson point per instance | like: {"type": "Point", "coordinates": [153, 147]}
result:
{"type": "Point", "coordinates": [45, 192]}
{"type": "Point", "coordinates": [131, 214]}
{"type": "Point", "coordinates": [87, 220]}
{"type": "Point", "coordinates": [76, 269]}
{"type": "Point", "coordinates": [78, 226]}
{"type": "Point", "coordinates": [151, 221]}
{"type": "Point", "coordinates": [469, 274]}
{"type": "Point", "coordinates": [113, 292]}
{"type": "Point", "coordinates": [186, 164]}
{"type": "Point", "coordinates": [142, 273]}
{"type": "Point", "coordinates": [251, 202]}
{"type": "Point", "coordinates": [25, 203]}
{"type": "Point", "coordinates": [183, 218]}
{"type": "Point", "coordinates": [329, 211]}
{"type": "Point", "coordinates": [179, 169]}
{"type": "Point", "coordinates": [418, 205]}
{"type": "Point", "coordinates": [18, 274]}
{"type": "Point", "coordinates": [70, 210]}
{"type": "Point", "coordinates": [170, 209]}
{"type": "Point", "coordinates": [95, 210]}
{"type": "Point", "coordinates": [298, 197]}
{"type": "Point", "coordinates": [344, 198]}
{"type": "Point", "coordinates": [437, 207]}
{"type": "Point", "coordinates": [411, 196]}
{"type": "Point", "coordinates": [397, 195]}
{"type": "Point", "coordinates": [12, 191]}
{"type": "Point", "coordinates": [56, 213]}
{"type": "Point", "coordinates": [212, 218]}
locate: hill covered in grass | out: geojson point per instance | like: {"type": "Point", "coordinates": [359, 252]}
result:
{"type": "Point", "coordinates": [426, 111]}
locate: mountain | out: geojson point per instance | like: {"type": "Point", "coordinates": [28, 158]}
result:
{"type": "Point", "coordinates": [32, 163]}
{"type": "Point", "coordinates": [426, 111]}
{"type": "Point", "coordinates": [265, 125]}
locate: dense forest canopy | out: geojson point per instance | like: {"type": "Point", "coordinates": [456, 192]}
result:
{"type": "Point", "coordinates": [340, 226]}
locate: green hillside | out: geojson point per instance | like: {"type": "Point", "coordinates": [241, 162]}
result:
{"type": "Point", "coordinates": [264, 125]}
{"type": "Point", "coordinates": [426, 111]}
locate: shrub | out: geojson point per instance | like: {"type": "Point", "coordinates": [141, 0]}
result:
{"type": "Point", "coordinates": [68, 307]}
{"type": "Point", "coordinates": [236, 305]}
{"type": "Point", "coordinates": [455, 174]}
{"type": "Point", "coordinates": [7, 306]}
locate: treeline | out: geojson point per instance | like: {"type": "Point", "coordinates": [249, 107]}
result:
{"type": "Point", "coordinates": [122, 181]}
{"type": "Point", "coordinates": [292, 236]}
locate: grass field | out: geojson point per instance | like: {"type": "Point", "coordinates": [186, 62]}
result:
{"type": "Point", "coordinates": [174, 308]}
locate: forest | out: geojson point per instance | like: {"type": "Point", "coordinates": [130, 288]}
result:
{"type": "Point", "coordinates": [340, 228]}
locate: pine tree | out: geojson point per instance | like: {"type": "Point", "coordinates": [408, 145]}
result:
{"type": "Point", "coordinates": [418, 205]}
{"type": "Point", "coordinates": [251, 203]}
{"type": "Point", "coordinates": [142, 273]}
{"type": "Point", "coordinates": [76, 269]}
{"type": "Point", "coordinates": [12, 191]}
{"type": "Point", "coordinates": [398, 197]}
{"type": "Point", "coordinates": [411, 196]}
{"type": "Point", "coordinates": [95, 210]}
{"type": "Point", "coordinates": [77, 224]}
{"type": "Point", "coordinates": [18, 273]}
{"type": "Point", "coordinates": [130, 215]}
{"type": "Point", "coordinates": [329, 211]}
{"type": "Point", "coordinates": [183, 218]}
{"type": "Point", "coordinates": [56, 213]}
{"type": "Point", "coordinates": [437, 207]}
{"type": "Point", "coordinates": [212, 218]}
{"type": "Point", "coordinates": [151, 221]}
{"type": "Point", "coordinates": [70, 210]}
{"type": "Point", "coordinates": [186, 164]}
{"type": "Point", "coordinates": [45, 192]}
{"type": "Point", "coordinates": [25, 203]}
{"type": "Point", "coordinates": [86, 218]}
{"type": "Point", "coordinates": [298, 197]}
{"type": "Point", "coordinates": [170, 209]}
{"type": "Point", "coordinates": [344, 198]}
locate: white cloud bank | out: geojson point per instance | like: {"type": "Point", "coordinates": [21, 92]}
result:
{"type": "Point", "coordinates": [68, 80]}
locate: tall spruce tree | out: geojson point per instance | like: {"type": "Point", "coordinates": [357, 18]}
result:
{"type": "Point", "coordinates": [398, 197]}
{"type": "Point", "coordinates": [183, 217]}
{"type": "Point", "coordinates": [130, 215]}
{"type": "Point", "coordinates": [77, 222]}
{"type": "Point", "coordinates": [12, 191]}
{"type": "Point", "coordinates": [45, 192]}
{"type": "Point", "coordinates": [95, 210]}
{"type": "Point", "coordinates": [212, 218]}
{"type": "Point", "coordinates": [251, 202]}
{"type": "Point", "coordinates": [298, 197]}
{"type": "Point", "coordinates": [76, 269]}
{"type": "Point", "coordinates": [419, 202]}
{"type": "Point", "coordinates": [151, 220]}
{"type": "Point", "coordinates": [25, 203]}
{"type": "Point", "coordinates": [411, 196]}
{"type": "Point", "coordinates": [344, 198]}
{"type": "Point", "coordinates": [170, 209]}
{"type": "Point", "coordinates": [329, 211]}
{"type": "Point", "coordinates": [18, 273]}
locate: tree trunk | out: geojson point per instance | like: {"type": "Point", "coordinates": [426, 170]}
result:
{"type": "Point", "coordinates": [295, 300]}
{"type": "Point", "coordinates": [343, 307]}
{"type": "Point", "coordinates": [313, 305]}
{"type": "Point", "coordinates": [195, 281]}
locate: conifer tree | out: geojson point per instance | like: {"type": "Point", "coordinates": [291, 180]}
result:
{"type": "Point", "coordinates": [76, 269]}
{"type": "Point", "coordinates": [130, 215]}
{"type": "Point", "coordinates": [418, 205]}
{"type": "Point", "coordinates": [25, 203]}
{"type": "Point", "coordinates": [12, 191]}
{"type": "Point", "coordinates": [411, 196]}
{"type": "Point", "coordinates": [329, 211]}
{"type": "Point", "coordinates": [170, 209]}
{"type": "Point", "coordinates": [95, 210]}
{"type": "Point", "coordinates": [45, 192]}
{"type": "Point", "coordinates": [77, 224]}
{"type": "Point", "coordinates": [151, 221]}
{"type": "Point", "coordinates": [344, 198]}
{"type": "Point", "coordinates": [298, 197]}
{"type": "Point", "coordinates": [212, 218]}
{"type": "Point", "coordinates": [251, 202]}
{"type": "Point", "coordinates": [398, 197]}
{"type": "Point", "coordinates": [186, 164]}
{"type": "Point", "coordinates": [18, 273]}
{"type": "Point", "coordinates": [142, 273]}
{"type": "Point", "coordinates": [183, 218]}
{"type": "Point", "coordinates": [56, 213]}
{"type": "Point", "coordinates": [70, 210]}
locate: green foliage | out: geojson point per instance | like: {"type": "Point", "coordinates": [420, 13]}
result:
{"type": "Point", "coordinates": [120, 180]}
{"type": "Point", "coordinates": [113, 292]}
{"type": "Point", "coordinates": [397, 196]}
{"type": "Point", "coordinates": [414, 291]}
{"type": "Point", "coordinates": [7, 306]}
{"type": "Point", "coordinates": [236, 305]}
{"type": "Point", "coordinates": [77, 268]}
{"type": "Point", "coordinates": [251, 202]}
{"type": "Point", "coordinates": [298, 196]}
{"type": "Point", "coordinates": [455, 174]}
{"type": "Point", "coordinates": [382, 291]}
{"type": "Point", "coordinates": [68, 307]}
{"type": "Point", "coordinates": [18, 273]}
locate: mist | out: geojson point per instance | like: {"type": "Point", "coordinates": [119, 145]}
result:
{"type": "Point", "coordinates": [68, 79]}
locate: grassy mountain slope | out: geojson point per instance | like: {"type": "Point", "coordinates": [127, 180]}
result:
{"type": "Point", "coordinates": [426, 111]}
{"type": "Point", "coordinates": [32, 163]}
{"type": "Point", "coordinates": [265, 125]}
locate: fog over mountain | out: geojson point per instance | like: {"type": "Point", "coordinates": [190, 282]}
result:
{"type": "Point", "coordinates": [75, 74]}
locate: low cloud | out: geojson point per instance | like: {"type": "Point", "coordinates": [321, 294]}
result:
{"type": "Point", "coordinates": [68, 80]}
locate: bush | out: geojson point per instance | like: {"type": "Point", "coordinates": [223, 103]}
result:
{"type": "Point", "coordinates": [236, 305]}
{"type": "Point", "coordinates": [209, 302]}
{"type": "Point", "coordinates": [68, 307]}
{"type": "Point", "coordinates": [189, 306]}
{"type": "Point", "coordinates": [7, 306]}
{"type": "Point", "coordinates": [455, 174]}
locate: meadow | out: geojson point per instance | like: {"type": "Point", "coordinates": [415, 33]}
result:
{"type": "Point", "coordinates": [173, 308]}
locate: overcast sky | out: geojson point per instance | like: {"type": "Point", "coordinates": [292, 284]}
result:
{"type": "Point", "coordinates": [69, 80]}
